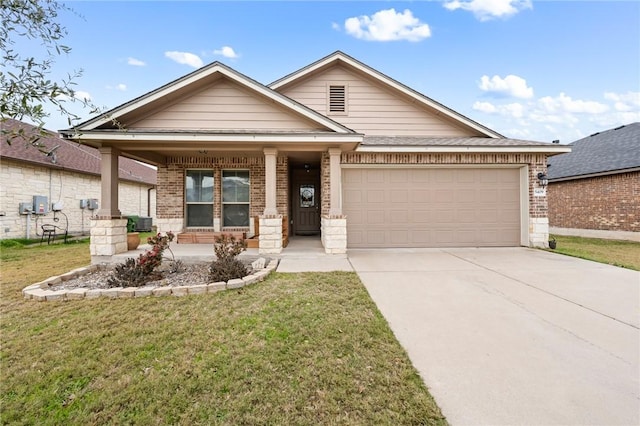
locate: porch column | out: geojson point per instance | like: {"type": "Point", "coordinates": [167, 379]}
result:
{"type": "Point", "coordinates": [109, 183]}
{"type": "Point", "coordinates": [270, 181]}
{"type": "Point", "coordinates": [108, 229]}
{"type": "Point", "coordinates": [334, 225]}
{"type": "Point", "coordinates": [335, 182]}
{"type": "Point", "coordinates": [270, 239]}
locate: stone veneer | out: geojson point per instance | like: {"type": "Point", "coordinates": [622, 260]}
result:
{"type": "Point", "coordinates": [334, 234]}
{"type": "Point", "coordinates": [41, 292]}
{"type": "Point", "coordinates": [108, 237]}
{"type": "Point", "coordinates": [270, 234]}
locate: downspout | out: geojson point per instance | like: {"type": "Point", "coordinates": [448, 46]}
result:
{"type": "Point", "coordinates": [149, 200]}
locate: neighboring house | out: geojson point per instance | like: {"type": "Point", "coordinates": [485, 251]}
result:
{"type": "Point", "coordinates": [336, 149]}
{"type": "Point", "coordinates": [68, 176]}
{"type": "Point", "coordinates": [595, 189]}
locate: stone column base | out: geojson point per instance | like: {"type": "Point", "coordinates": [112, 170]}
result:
{"type": "Point", "coordinates": [108, 237]}
{"type": "Point", "coordinates": [174, 225]}
{"type": "Point", "coordinates": [539, 232]}
{"type": "Point", "coordinates": [334, 234]}
{"type": "Point", "coordinates": [270, 239]}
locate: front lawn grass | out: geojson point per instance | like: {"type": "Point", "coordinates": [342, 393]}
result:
{"type": "Point", "coordinates": [613, 252]}
{"type": "Point", "coordinates": [295, 349]}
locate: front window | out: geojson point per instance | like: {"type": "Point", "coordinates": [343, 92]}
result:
{"type": "Point", "coordinates": [199, 197]}
{"type": "Point", "coordinates": [235, 198]}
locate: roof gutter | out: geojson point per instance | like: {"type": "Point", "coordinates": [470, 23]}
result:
{"type": "Point", "coordinates": [592, 175]}
{"type": "Point", "coordinates": [466, 149]}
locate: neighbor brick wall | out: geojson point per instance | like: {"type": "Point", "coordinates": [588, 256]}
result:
{"type": "Point", "coordinates": [21, 181]}
{"type": "Point", "coordinates": [537, 163]}
{"type": "Point", "coordinates": [171, 183]}
{"type": "Point", "coordinates": [610, 203]}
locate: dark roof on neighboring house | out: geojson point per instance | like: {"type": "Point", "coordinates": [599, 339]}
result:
{"type": "Point", "coordinates": [68, 155]}
{"type": "Point", "coordinates": [608, 152]}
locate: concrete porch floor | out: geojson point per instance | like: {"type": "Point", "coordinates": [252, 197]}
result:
{"type": "Point", "coordinates": [303, 254]}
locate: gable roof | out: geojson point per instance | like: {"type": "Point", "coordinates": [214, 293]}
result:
{"type": "Point", "coordinates": [200, 76]}
{"type": "Point", "coordinates": [342, 58]}
{"type": "Point", "coordinates": [69, 156]}
{"type": "Point", "coordinates": [608, 152]}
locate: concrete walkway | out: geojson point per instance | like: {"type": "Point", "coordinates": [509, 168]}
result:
{"type": "Point", "coordinates": [514, 336]}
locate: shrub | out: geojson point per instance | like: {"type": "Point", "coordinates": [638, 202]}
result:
{"type": "Point", "coordinates": [227, 246]}
{"type": "Point", "coordinates": [227, 269]}
{"type": "Point", "coordinates": [136, 273]}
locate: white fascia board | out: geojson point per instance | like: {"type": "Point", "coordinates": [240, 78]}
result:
{"type": "Point", "coordinates": [465, 149]}
{"type": "Point", "coordinates": [199, 137]}
{"type": "Point", "coordinates": [387, 80]}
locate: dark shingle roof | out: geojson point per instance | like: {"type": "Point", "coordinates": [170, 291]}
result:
{"type": "Point", "coordinates": [443, 141]}
{"type": "Point", "coordinates": [611, 151]}
{"type": "Point", "coordinates": [68, 156]}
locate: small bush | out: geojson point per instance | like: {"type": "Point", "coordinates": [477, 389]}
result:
{"type": "Point", "coordinates": [136, 273]}
{"type": "Point", "coordinates": [227, 269]}
{"type": "Point", "coordinates": [227, 246]}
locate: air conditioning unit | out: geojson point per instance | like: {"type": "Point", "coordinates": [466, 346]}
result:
{"type": "Point", "coordinates": [144, 224]}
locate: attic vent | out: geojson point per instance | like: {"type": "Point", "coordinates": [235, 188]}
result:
{"type": "Point", "coordinates": [337, 99]}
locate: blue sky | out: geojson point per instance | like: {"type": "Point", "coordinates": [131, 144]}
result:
{"type": "Point", "coordinates": [538, 70]}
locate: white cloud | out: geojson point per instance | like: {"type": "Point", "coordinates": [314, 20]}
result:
{"type": "Point", "coordinates": [82, 95]}
{"type": "Point", "coordinates": [511, 85]}
{"type": "Point", "coordinates": [387, 25]}
{"type": "Point", "coordinates": [185, 58]}
{"type": "Point", "coordinates": [121, 87]}
{"type": "Point", "coordinates": [485, 10]}
{"type": "Point", "coordinates": [335, 26]}
{"type": "Point", "coordinates": [624, 101]}
{"type": "Point", "coordinates": [135, 62]}
{"type": "Point", "coordinates": [227, 52]}
{"type": "Point", "coordinates": [486, 107]}
{"type": "Point", "coordinates": [564, 103]}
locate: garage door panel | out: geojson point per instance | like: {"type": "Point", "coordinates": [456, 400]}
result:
{"type": "Point", "coordinates": [432, 207]}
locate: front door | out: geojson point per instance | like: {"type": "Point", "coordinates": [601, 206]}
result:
{"type": "Point", "coordinates": [306, 201]}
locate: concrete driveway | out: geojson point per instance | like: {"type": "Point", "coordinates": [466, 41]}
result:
{"type": "Point", "coordinates": [513, 335]}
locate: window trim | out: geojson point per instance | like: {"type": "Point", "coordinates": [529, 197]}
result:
{"type": "Point", "coordinates": [343, 84]}
{"type": "Point", "coordinates": [212, 203]}
{"type": "Point", "coordinates": [223, 203]}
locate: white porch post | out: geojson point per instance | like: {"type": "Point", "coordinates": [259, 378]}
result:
{"type": "Point", "coordinates": [108, 229]}
{"type": "Point", "coordinates": [270, 181]}
{"type": "Point", "coordinates": [335, 179]}
{"type": "Point", "coordinates": [109, 183]}
{"type": "Point", "coordinates": [270, 239]}
{"type": "Point", "coordinates": [334, 225]}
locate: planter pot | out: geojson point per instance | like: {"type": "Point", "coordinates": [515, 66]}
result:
{"type": "Point", "coordinates": [552, 244]}
{"type": "Point", "coordinates": [133, 240]}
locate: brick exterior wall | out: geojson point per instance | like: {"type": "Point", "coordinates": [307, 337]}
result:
{"type": "Point", "coordinates": [171, 204]}
{"type": "Point", "coordinates": [538, 207]}
{"type": "Point", "coordinates": [21, 181]}
{"type": "Point", "coordinates": [609, 203]}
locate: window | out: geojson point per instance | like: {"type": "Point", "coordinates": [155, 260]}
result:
{"type": "Point", "coordinates": [235, 198]}
{"type": "Point", "coordinates": [337, 98]}
{"type": "Point", "coordinates": [199, 197]}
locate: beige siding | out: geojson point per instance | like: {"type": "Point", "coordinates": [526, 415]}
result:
{"type": "Point", "coordinates": [224, 106]}
{"type": "Point", "coordinates": [373, 109]}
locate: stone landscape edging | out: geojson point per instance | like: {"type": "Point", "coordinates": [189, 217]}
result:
{"type": "Point", "coordinates": [41, 291]}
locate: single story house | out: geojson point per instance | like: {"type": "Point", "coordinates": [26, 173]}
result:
{"type": "Point", "coordinates": [64, 175]}
{"type": "Point", "coordinates": [335, 149]}
{"type": "Point", "coordinates": [595, 189]}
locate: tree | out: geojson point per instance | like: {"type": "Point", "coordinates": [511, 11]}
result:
{"type": "Point", "coordinates": [25, 84]}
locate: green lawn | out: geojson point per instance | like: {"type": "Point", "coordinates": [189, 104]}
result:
{"type": "Point", "coordinates": [295, 349]}
{"type": "Point", "coordinates": [619, 253]}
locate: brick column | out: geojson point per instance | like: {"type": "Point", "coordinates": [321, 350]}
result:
{"type": "Point", "coordinates": [108, 237]}
{"type": "Point", "coordinates": [334, 225]}
{"type": "Point", "coordinates": [335, 185]}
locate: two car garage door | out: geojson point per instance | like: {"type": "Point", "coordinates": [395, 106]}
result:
{"type": "Point", "coordinates": [431, 207]}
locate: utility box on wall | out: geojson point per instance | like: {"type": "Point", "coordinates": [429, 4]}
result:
{"type": "Point", "coordinates": [40, 204]}
{"type": "Point", "coordinates": [25, 208]}
{"type": "Point", "coordinates": [92, 204]}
